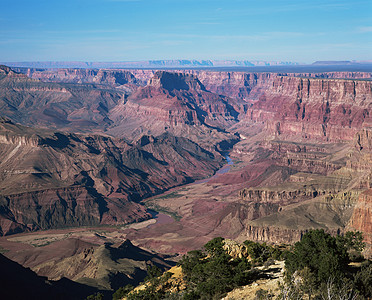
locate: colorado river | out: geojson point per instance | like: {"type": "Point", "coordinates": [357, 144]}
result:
{"type": "Point", "coordinates": [162, 218]}
{"type": "Point", "coordinates": [226, 168]}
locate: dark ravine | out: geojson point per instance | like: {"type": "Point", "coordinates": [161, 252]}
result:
{"type": "Point", "coordinates": [18, 282]}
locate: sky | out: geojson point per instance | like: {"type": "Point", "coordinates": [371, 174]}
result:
{"type": "Point", "coordinates": [134, 30]}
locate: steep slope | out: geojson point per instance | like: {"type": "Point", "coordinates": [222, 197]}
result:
{"type": "Point", "coordinates": [116, 78]}
{"type": "Point", "coordinates": [251, 85]}
{"type": "Point", "coordinates": [55, 179]}
{"type": "Point", "coordinates": [326, 109]}
{"type": "Point", "coordinates": [171, 102]}
{"type": "Point", "coordinates": [178, 104]}
{"type": "Point", "coordinates": [234, 84]}
{"type": "Point", "coordinates": [78, 108]}
{"type": "Point", "coordinates": [322, 107]}
{"type": "Point", "coordinates": [322, 193]}
{"type": "Point", "coordinates": [100, 258]}
{"type": "Point", "coordinates": [18, 282]}
{"type": "Point", "coordinates": [120, 79]}
{"type": "Point", "coordinates": [362, 216]}
{"type": "Point", "coordinates": [106, 267]}
{"type": "Point", "coordinates": [276, 190]}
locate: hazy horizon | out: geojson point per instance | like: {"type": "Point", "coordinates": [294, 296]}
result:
{"type": "Point", "coordinates": [137, 30]}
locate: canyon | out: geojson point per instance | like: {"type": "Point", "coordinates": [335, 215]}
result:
{"type": "Point", "coordinates": [101, 147]}
{"type": "Point", "coordinates": [51, 179]}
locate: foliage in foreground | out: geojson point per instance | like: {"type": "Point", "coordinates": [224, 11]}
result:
{"type": "Point", "coordinates": [213, 272]}
{"type": "Point", "coordinates": [317, 267]}
{"type": "Point", "coordinates": [209, 273]}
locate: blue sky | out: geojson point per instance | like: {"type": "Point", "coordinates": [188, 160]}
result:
{"type": "Point", "coordinates": [131, 30]}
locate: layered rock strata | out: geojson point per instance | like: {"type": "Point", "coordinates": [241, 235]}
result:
{"type": "Point", "coordinates": [54, 179]}
{"type": "Point", "coordinates": [361, 219]}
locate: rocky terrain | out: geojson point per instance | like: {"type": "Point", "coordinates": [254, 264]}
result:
{"type": "Point", "coordinates": [85, 147]}
{"type": "Point", "coordinates": [59, 106]}
{"type": "Point", "coordinates": [234, 84]}
{"type": "Point", "coordinates": [179, 104]}
{"type": "Point", "coordinates": [82, 261]}
{"type": "Point", "coordinates": [362, 215]}
{"type": "Point", "coordinates": [265, 198]}
{"type": "Point", "coordinates": [53, 179]}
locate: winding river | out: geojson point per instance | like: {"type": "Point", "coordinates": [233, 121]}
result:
{"type": "Point", "coordinates": [162, 218]}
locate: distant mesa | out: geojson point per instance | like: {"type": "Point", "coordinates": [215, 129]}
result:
{"type": "Point", "coordinates": [179, 63]}
{"type": "Point", "coordinates": [340, 62]}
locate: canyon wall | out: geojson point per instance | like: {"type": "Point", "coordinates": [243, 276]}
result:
{"type": "Point", "coordinates": [107, 77]}
{"type": "Point", "coordinates": [235, 84]}
{"type": "Point", "coordinates": [325, 109]}
{"type": "Point", "coordinates": [278, 235]}
{"type": "Point", "coordinates": [321, 107]}
{"type": "Point", "coordinates": [361, 219]}
{"type": "Point", "coordinates": [173, 124]}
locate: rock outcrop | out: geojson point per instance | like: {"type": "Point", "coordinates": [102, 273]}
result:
{"type": "Point", "coordinates": [325, 109]}
{"type": "Point", "coordinates": [361, 219]}
{"type": "Point", "coordinates": [303, 139]}
{"type": "Point", "coordinates": [234, 249]}
{"type": "Point", "coordinates": [108, 266]}
{"type": "Point", "coordinates": [79, 108]}
{"type": "Point", "coordinates": [178, 104]}
{"type": "Point", "coordinates": [112, 78]}
{"type": "Point", "coordinates": [321, 106]}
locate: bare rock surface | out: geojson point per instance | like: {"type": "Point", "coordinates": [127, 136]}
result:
{"type": "Point", "coordinates": [361, 219]}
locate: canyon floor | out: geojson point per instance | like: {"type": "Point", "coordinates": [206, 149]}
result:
{"type": "Point", "coordinates": [132, 168]}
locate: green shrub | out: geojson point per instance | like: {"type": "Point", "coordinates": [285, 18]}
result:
{"type": "Point", "coordinates": [96, 296]}
{"type": "Point", "coordinates": [363, 281]}
{"type": "Point", "coordinates": [321, 261]}
{"type": "Point", "coordinates": [260, 253]}
{"type": "Point", "coordinates": [122, 291]}
{"type": "Point", "coordinates": [153, 272]}
{"type": "Point", "coordinates": [213, 273]}
{"type": "Point", "coordinates": [321, 254]}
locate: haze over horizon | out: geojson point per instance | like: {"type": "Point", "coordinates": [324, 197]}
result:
{"type": "Point", "coordinates": [137, 30]}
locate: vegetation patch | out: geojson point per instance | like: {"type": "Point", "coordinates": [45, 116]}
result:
{"type": "Point", "coordinates": [317, 267]}
{"type": "Point", "coordinates": [170, 195]}
{"type": "Point", "coordinates": [206, 274]}
{"type": "Point", "coordinates": [3, 250]}
{"type": "Point", "coordinates": [154, 206]}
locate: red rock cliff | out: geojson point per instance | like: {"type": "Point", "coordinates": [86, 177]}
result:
{"type": "Point", "coordinates": [317, 108]}
{"type": "Point", "coordinates": [361, 219]}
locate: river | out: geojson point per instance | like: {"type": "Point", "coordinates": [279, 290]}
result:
{"type": "Point", "coordinates": [162, 218]}
{"type": "Point", "coordinates": [226, 168]}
